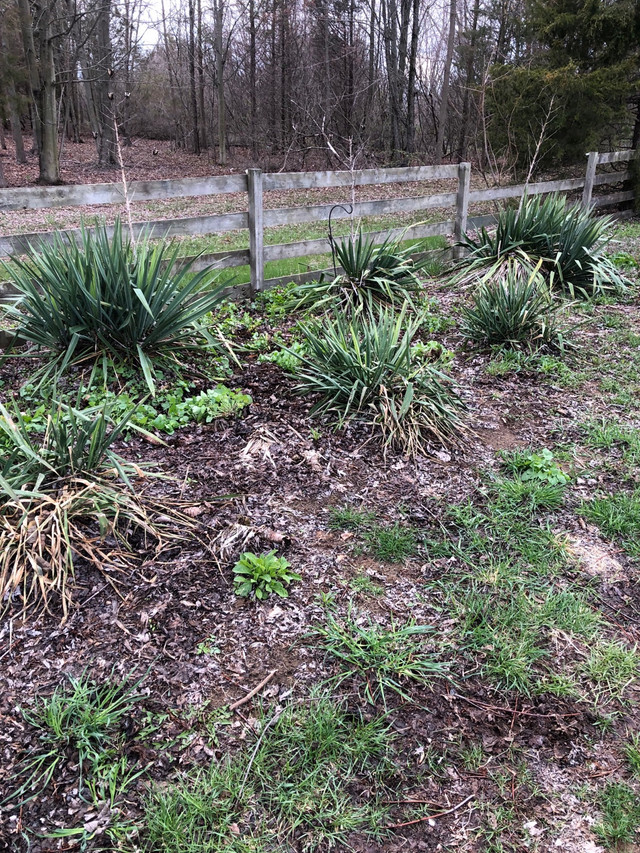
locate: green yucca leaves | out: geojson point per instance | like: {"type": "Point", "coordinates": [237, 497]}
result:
{"type": "Point", "coordinates": [513, 309]}
{"type": "Point", "coordinates": [107, 296]}
{"type": "Point", "coordinates": [567, 240]}
{"type": "Point", "coordinates": [362, 369]}
{"type": "Point", "coordinates": [372, 275]}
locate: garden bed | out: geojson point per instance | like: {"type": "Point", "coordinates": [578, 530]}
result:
{"type": "Point", "coordinates": [523, 735]}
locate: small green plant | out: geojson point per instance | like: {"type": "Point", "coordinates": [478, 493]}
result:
{"type": "Point", "coordinates": [383, 659]}
{"type": "Point", "coordinates": [208, 647]}
{"type": "Point", "coordinates": [539, 466]}
{"type": "Point", "coordinates": [262, 575]}
{"type": "Point", "coordinates": [362, 369]}
{"type": "Point", "coordinates": [288, 358]}
{"type": "Point", "coordinates": [82, 721]}
{"type": "Point", "coordinates": [514, 310]}
{"type": "Point", "coordinates": [631, 751]}
{"type": "Point", "coordinates": [363, 585]}
{"type": "Point", "coordinates": [349, 518]}
{"type": "Point", "coordinates": [620, 814]}
{"type": "Point", "coordinates": [624, 260]}
{"type": "Point", "coordinates": [618, 517]}
{"type": "Point", "coordinates": [372, 274]}
{"type": "Point", "coordinates": [392, 543]}
{"type": "Point", "coordinates": [612, 667]}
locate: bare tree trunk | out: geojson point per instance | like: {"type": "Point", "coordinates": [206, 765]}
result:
{"type": "Point", "coordinates": [444, 99]}
{"type": "Point", "coordinates": [411, 85]}
{"type": "Point", "coordinates": [222, 132]}
{"type": "Point", "coordinates": [193, 93]}
{"type": "Point", "coordinates": [3, 180]}
{"type": "Point", "coordinates": [468, 83]}
{"type": "Point", "coordinates": [252, 77]}
{"type": "Point", "coordinates": [203, 123]}
{"type": "Point", "coordinates": [102, 73]}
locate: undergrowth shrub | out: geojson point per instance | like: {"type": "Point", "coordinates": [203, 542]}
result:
{"type": "Point", "coordinates": [513, 310]}
{"type": "Point", "coordinates": [568, 240]}
{"type": "Point", "coordinates": [105, 295]}
{"type": "Point", "coordinates": [372, 274]}
{"type": "Point", "coordinates": [362, 369]}
{"type": "Point", "coordinates": [65, 496]}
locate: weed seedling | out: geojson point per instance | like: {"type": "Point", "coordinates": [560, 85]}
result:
{"type": "Point", "coordinates": [262, 575]}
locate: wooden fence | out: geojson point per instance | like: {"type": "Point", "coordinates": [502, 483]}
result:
{"type": "Point", "coordinates": [256, 217]}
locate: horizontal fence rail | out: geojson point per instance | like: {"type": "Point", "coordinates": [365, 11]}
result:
{"type": "Point", "coordinates": [255, 218]}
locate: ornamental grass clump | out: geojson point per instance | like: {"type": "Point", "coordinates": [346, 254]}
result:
{"type": "Point", "coordinates": [362, 369]}
{"type": "Point", "coordinates": [371, 275]}
{"type": "Point", "coordinates": [107, 296]}
{"type": "Point", "coordinates": [513, 310]}
{"type": "Point", "coordinates": [65, 498]}
{"type": "Point", "coordinates": [568, 241]}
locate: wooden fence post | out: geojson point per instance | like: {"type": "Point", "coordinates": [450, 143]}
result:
{"type": "Point", "coordinates": [592, 163]}
{"type": "Point", "coordinates": [256, 230]}
{"type": "Point", "coordinates": [462, 205]}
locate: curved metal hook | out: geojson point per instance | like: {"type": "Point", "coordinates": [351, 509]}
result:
{"type": "Point", "coordinates": [348, 209]}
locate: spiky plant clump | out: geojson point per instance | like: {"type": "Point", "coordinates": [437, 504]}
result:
{"type": "Point", "coordinates": [362, 369]}
{"type": "Point", "coordinates": [513, 310]}
{"type": "Point", "coordinates": [64, 496]}
{"type": "Point", "coordinates": [372, 275]}
{"type": "Point", "coordinates": [107, 296]}
{"type": "Point", "coordinates": [568, 240]}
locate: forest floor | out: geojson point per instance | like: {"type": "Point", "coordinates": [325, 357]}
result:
{"type": "Point", "coordinates": [457, 669]}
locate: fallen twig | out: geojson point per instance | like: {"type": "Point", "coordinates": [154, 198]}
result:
{"type": "Point", "coordinates": [253, 692]}
{"type": "Point", "coordinates": [513, 711]}
{"type": "Point", "coordinates": [267, 726]}
{"type": "Point", "coordinates": [432, 816]}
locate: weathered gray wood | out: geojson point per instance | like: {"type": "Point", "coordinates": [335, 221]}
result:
{"type": "Point", "coordinates": [617, 156]}
{"type": "Point", "coordinates": [223, 260]}
{"type": "Point", "coordinates": [361, 177]}
{"type": "Point", "coordinates": [16, 198]}
{"type": "Point", "coordinates": [613, 198]}
{"type": "Point", "coordinates": [18, 244]}
{"type": "Point", "coordinates": [611, 178]}
{"type": "Point", "coordinates": [462, 203]}
{"type": "Point", "coordinates": [320, 246]}
{"type": "Point", "coordinates": [256, 228]}
{"type": "Point", "coordinates": [475, 222]}
{"type": "Point", "coordinates": [518, 190]}
{"type": "Point", "coordinates": [293, 215]}
{"type": "Point", "coordinates": [589, 179]}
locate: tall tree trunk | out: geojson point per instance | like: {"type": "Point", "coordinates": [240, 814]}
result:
{"type": "Point", "coordinates": [444, 98]}
{"type": "Point", "coordinates": [252, 78]}
{"type": "Point", "coordinates": [203, 123]}
{"type": "Point", "coordinates": [468, 83]}
{"type": "Point", "coordinates": [102, 72]}
{"type": "Point", "coordinates": [411, 84]}
{"type": "Point", "coordinates": [222, 132]}
{"type": "Point", "coordinates": [193, 92]}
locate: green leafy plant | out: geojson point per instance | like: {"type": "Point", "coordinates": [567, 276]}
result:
{"type": "Point", "coordinates": [106, 296]}
{"type": "Point", "coordinates": [262, 575]}
{"type": "Point", "coordinates": [384, 659]}
{"type": "Point", "coordinates": [79, 724]}
{"type": "Point", "coordinates": [372, 274]}
{"type": "Point", "coordinates": [288, 358]}
{"type": "Point", "coordinates": [362, 369]}
{"type": "Point", "coordinates": [568, 241]}
{"type": "Point", "coordinates": [620, 814]}
{"type": "Point", "coordinates": [539, 466]}
{"type": "Point", "coordinates": [513, 309]}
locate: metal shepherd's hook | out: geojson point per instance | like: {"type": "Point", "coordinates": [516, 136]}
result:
{"type": "Point", "coordinates": [348, 209]}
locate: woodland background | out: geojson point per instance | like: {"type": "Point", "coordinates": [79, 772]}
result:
{"type": "Point", "coordinates": [516, 86]}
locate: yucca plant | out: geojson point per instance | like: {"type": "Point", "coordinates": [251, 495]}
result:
{"type": "Point", "coordinates": [514, 310]}
{"type": "Point", "coordinates": [362, 369]}
{"type": "Point", "coordinates": [372, 275]}
{"type": "Point", "coordinates": [567, 240]}
{"type": "Point", "coordinates": [64, 495]}
{"type": "Point", "coordinates": [105, 295]}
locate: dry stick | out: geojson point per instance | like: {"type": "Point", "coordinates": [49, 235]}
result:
{"type": "Point", "coordinates": [271, 722]}
{"type": "Point", "coordinates": [432, 816]}
{"type": "Point", "coordinates": [127, 202]}
{"type": "Point", "coordinates": [253, 692]}
{"type": "Point", "coordinates": [486, 707]}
